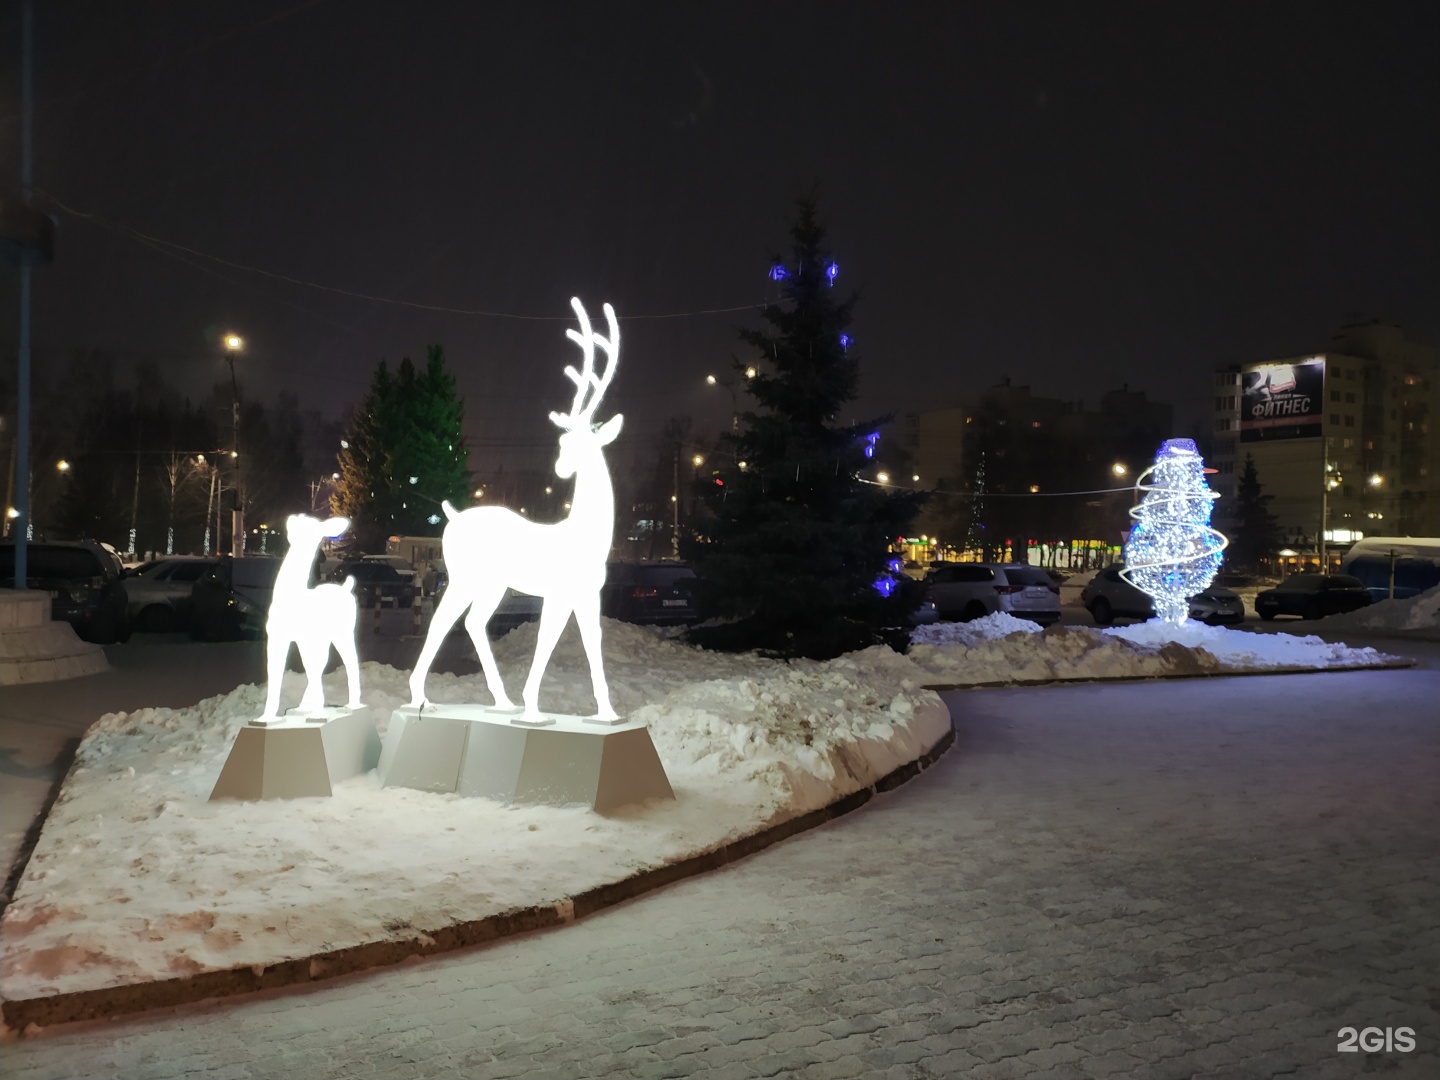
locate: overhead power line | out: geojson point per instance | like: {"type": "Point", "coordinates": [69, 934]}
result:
{"type": "Point", "coordinates": [169, 247]}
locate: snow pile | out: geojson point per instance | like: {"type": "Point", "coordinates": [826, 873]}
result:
{"type": "Point", "coordinates": [138, 877]}
{"type": "Point", "coordinates": [1420, 612]}
{"type": "Point", "coordinates": [1002, 649]}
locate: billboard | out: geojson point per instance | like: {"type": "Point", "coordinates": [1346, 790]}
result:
{"type": "Point", "coordinates": [1282, 401]}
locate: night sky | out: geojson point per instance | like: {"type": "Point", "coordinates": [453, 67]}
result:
{"type": "Point", "coordinates": [1074, 196]}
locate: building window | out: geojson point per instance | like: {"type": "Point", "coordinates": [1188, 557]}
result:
{"type": "Point", "coordinates": [1334, 419]}
{"type": "Point", "coordinates": [1350, 396]}
{"type": "Point", "coordinates": [1347, 444]}
{"type": "Point", "coordinates": [1349, 421]}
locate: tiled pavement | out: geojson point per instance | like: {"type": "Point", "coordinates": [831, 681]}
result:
{"type": "Point", "coordinates": [1202, 879]}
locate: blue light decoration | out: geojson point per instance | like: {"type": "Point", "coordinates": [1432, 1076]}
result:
{"type": "Point", "coordinates": [845, 340]}
{"type": "Point", "coordinates": [870, 441]}
{"type": "Point", "coordinates": [433, 519]}
{"type": "Point", "coordinates": [1172, 553]}
{"type": "Point", "coordinates": [884, 585]}
{"type": "Point", "coordinates": [778, 272]}
{"type": "Point", "coordinates": [832, 272]}
{"type": "Point", "coordinates": [896, 566]}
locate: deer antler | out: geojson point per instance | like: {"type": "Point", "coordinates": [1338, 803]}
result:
{"type": "Point", "coordinates": [589, 387]}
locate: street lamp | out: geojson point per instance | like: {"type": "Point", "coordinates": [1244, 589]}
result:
{"type": "Point", "coordinates": [234, 343]}
{"type": "Point", "coordinates": [883, 477]}
{"type": "Point", "coordinates": [62, 465]}
{"type": "Point", "coordinates": [1119, 468]}
{"type": "Point", "coordinates": [711, 380]}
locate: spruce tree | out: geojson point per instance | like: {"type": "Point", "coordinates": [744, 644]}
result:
{"type": "Point", "coordinates": [403, 454]}
{"type": "Point", "coordinates": [1254, 530]}
{"type": "Point", "coordinates": [791, 542]}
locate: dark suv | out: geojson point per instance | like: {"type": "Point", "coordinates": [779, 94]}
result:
{"type": "Point", "coordinates": [658, 594]}
{"type": "Point", "coordinates": [83, 580]}
{"type": "Point", "coordinates": [231, 600]}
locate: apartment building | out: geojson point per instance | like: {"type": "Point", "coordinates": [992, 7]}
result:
{"type": "Point", "coordinates": [1347, 434]}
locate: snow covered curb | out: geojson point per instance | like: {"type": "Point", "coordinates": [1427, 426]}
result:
{"type": "Point", "coordinates": [142, 894]}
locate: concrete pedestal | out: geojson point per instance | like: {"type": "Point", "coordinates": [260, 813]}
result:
{"type": "Point", "coordinates": [297, 757]}
{"type": "Point", "coordinates": [474, 750]}
{"type": "Point", "coordinates": [34, 648]}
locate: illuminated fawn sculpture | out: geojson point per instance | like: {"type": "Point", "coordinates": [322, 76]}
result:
{"type": "Point", "coordinates": [313, 619]}
{"type": "Point", "coordinates": [489, 548]}
{"type": "Point", "coordinates": [275, 758]}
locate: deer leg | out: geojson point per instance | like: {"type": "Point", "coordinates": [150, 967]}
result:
{"type": "Point", "coordinates": [345, 647]}
{"type": "Point", "coordinates": [452, 605]}
{"type": "Point", "coordinates": [553, 618]}
{"type": "Point", "coordinates": [587, 617]}
{"type": "Point", "coordinates": [480, 613]}
{"type": "Point", "coordinates": [277, 651]}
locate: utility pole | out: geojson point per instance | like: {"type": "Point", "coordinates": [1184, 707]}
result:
{"type": "Point", "coordinates": [27, 239]}
{"type": "Point", "coordinates": [675, 505]}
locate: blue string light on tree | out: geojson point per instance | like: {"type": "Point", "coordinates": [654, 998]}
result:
{"type": "Point", "coordinates": [778, 272]}
{"type": "Point", "coordinates": [832, 272]}
{"type": "Point", "coordinates": [1172, 553]}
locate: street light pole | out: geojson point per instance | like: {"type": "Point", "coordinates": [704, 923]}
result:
{"type": "Point", "coordinates": [233, 344]}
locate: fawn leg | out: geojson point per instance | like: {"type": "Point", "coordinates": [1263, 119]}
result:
{"type": "Point", "coordinates": [277, 651]}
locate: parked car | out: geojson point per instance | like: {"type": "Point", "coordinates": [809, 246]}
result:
{"type": "Point", "coordinates": [158, 592]}
{"type": "Point", "coordinates": [1313, 596]}
{"type": "Point", "coordinates": [656, 593]}
{"type": "Point", "coordinates": [966, 591]}
{"type": "Point", "coordinates": [83, 579]}
{"type": "Point", "coordinates": [378, 582]}
{"type": "Point", "coordinates": [231, 600]}
{"type": "Point", "coordinates": [1109, 596]}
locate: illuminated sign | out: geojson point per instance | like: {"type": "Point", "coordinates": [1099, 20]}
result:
{"type": "Point", "coordinates": [1282, 401]}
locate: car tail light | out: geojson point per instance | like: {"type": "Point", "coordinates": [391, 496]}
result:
{"type": "Point", "coordinates": [640, 591]}
{"type": "Point", "coordinates": [1006, 590]}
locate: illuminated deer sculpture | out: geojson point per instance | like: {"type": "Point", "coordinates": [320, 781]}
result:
{"type": "Point", "coordinates": [490, 548]}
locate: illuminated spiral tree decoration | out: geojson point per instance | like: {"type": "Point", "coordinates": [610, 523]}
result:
{"type": "Point", "coordinates": [1172, 553]}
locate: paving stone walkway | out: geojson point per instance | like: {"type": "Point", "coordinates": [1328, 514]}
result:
{"type": "Point", "coordinates": [1199, 879]}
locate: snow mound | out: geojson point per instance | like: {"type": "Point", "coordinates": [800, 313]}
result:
{"type": "Point", "coordinates": [1002, 649]}
{"type": "Point", "coordinates": [1420, 612]}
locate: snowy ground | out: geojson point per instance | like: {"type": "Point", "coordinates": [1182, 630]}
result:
{"type": "Point", "coordinates": [137, 877]}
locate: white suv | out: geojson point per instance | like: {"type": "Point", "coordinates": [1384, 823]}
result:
{"type": "Point", "coordinates": [966, 591]}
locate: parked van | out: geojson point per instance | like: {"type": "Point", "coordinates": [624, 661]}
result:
{"type": "Point", "coordinates": [1414, 561]}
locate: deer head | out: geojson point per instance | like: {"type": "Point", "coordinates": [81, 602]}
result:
{"type": "Point", "coordinates": [581, 435]}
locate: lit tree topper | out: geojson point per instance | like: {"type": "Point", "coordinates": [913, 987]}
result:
{"type": "Point", "coordinates": [1172, 553]}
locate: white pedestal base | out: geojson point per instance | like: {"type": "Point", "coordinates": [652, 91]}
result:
{"type": "Point", "coordinates": [474, 750]}
{"type": "Point", "coordinates": [298, 756]}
